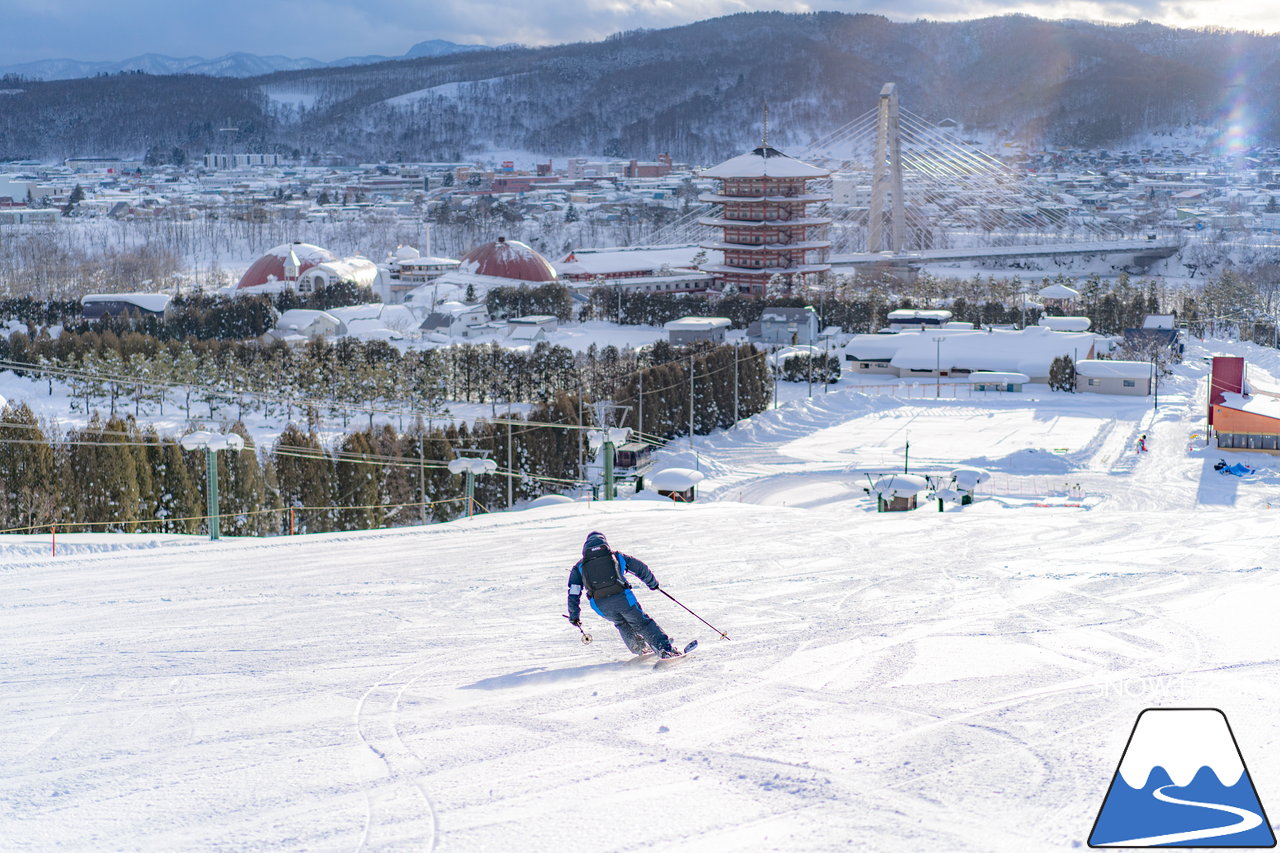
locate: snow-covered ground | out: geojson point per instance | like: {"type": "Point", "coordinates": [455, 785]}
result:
{"type": "Point", "coordinates": [963, 680]}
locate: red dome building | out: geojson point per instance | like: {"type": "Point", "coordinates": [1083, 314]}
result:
{"type": "Point", "coordinates": [270, 267]}
{"type": "Point", "coordinates": [508, 259]}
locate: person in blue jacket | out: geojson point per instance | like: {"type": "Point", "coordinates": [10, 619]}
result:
{"type": "Point", "coordinates": [602, 575]}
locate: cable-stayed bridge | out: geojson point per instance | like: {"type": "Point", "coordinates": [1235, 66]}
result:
{"type": "Point", "coordinates": [907, 191]}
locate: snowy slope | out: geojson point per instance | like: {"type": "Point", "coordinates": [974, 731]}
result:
{"type": "Point", "coordinates": [963, 680]}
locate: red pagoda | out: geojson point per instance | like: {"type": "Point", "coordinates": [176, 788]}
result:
{"type": "Point", "coordinates": [767, 228]}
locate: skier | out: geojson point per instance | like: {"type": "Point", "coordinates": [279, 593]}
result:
{"type": "Point", "coordinates": [601, 574]}
{"type": "Point", "coordinates": [1142, 444]}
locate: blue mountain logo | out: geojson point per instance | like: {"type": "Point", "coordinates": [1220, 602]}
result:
{"type": "Point", "coordinates": [1182, 782]}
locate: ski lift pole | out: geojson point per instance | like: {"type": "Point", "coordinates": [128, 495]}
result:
{"type": "Point", "coordinates": [722, 634]}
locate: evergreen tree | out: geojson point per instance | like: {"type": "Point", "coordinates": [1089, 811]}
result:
{"type": "Point", "coordinates": [27, 486]}
{"type": "Point", "coordinates": [100, 477]}
{"type": "Point", "coordinates": [1062, 374]}
{"type": "Point", "coordinates": [243, 490]}
{"type": "Point", "coordinates": [304, 478]}
{"type": "Point", "coordinates": [358, 479]}
{"type": "Point", "coordinates": [178, 501]}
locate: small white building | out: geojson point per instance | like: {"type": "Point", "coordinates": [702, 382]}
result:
{"type": "Point", "coordinates": [1066, 324]}
{"type": "Point", "coordinates": [301, 324]}
{"type": "Point", "coordinates": [690, 330]}
{"type": "Point", "coordinates": [456, 320]}
{"type": "Point", "coordinates": [95, 306]}
{"type": "Point", "coordinates": [678, 484]}
{"type": "Point", "coordinates": [993, 380]}
{"type": "Point", "coordinates": [377, 321]}
{"type": "Point", "coordinates": [1101, 376]}
{"type": "Point", "coordinates": [917, 318]}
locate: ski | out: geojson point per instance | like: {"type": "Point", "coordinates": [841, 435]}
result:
{"type": "Point", "coordinates": [684, 653]}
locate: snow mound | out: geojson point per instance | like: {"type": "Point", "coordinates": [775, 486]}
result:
{"type": "Point", "coordinates": [1026, 461]}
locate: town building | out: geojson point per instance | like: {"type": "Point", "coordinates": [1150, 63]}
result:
{"type": "Point", "coordinates": [95, 306]}
{"type": "Point", "coordinates": [693, 330]}
{"type": "Point", "coordinates": [960, 352]}
{"type": "Point", "coordinates": [1241, 415]}
{"type": "Point", "coordinates": [766, 227]}
{"type": "Point", "coordinates": [785, 327]}
{"type": "Point", "coordinates": [1105, 376]}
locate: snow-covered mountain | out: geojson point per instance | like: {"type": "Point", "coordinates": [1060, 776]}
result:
{"type": "Point", "coordinates": [237, 64]}
{"type": "Point", "coordinates": [694, 92]}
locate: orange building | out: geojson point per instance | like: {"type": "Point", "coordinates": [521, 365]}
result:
{"type": "Point", "coordinates": [1243, 417]}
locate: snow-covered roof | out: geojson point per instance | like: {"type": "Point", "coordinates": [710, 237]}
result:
{"type": "Point", "coordinates": [764, 162]}
{"type": "Point", "coordinates": [301, 318]}
{"type": "Point", "coordinates": [1030, 351]}
{"type": "Point", "coordinates": [909, 315]}
{"type": "Point", "coordinates": [147, 301]}
{"type": "Point", "coordinates": [612, 262]}
{"type": "Point", "coordinates": [1057, 291]}
{"type": "Point", "coordinates": [999, 377]}
{"type": "Point", "coordinates": [1107, 369]}
{"type": "Point", "coordinates": [1257, 404]}
{"type": "Point", "coordinates": [697, 324]}
{"type": "Point", "coordinates": [359, 270]}
{"type": "Point", "coordinates": [900, 485]}
{"type": "Point", "coordinates": [1160, 321]}
{"type": "Point", "coordinates": [368, 311]}
{"type": "Point", "coordinates": [1067, 324]}
{"type": "Point", "coordinates": [675, 479]}
{"type": "Point", "coordinates": [875, 347]}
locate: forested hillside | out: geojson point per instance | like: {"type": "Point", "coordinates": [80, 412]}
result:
{"type": "Point", "coordinates": [694, 91]}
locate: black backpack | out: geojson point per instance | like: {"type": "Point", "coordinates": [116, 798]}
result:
{"type": "Point", "coordinates": [601, 574]}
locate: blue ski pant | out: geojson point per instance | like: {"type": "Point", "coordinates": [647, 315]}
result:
{"type": "Point", "coordinates": [635, 626]}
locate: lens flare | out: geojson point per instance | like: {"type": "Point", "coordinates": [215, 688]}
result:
{"type": "Point", "coordinates": [1238, 122]}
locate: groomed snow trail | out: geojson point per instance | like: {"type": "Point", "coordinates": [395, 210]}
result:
{"type": "Point", "coordinates": [958, 681]}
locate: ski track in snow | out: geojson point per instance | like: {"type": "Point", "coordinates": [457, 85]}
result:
{"type": "Point", "coordinates": [959, 681]}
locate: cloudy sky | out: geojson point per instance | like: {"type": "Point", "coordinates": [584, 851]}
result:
{"type": "Point", "coordinates": [331, 29]}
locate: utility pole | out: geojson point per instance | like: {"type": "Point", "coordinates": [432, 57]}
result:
{"type": "Point", "coordinates": [691, 404]}
{"type": "Point", "coordinates": [422, 469]}
{"type": "Point", "coordinates": [735, 385]}
{"type": "Point", "coordinates": [937, 387]}
{"type": "Point", "coordinates": [510, 471]}
{"type": "Point", "coordinates": [640, 405]}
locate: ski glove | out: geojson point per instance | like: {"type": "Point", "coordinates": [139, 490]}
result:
{"type": "Point", "coordinates": [654, 585]}
{"type": "Point", "coordinates": [577, 623]}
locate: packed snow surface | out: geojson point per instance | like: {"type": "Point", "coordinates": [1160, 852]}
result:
{"type": "Point", "coordinates": [962, 680]}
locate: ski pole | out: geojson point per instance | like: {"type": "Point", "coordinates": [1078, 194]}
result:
{"type": "Point", "coordinates": [586, 638]}
{"type": "Point", "coordinates": [722, 634]}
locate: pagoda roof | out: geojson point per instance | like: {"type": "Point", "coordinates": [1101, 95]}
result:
{"type": "Point", "coordinates": [764, 162]}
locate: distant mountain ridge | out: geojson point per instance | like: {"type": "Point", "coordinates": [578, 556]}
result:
{"type": "Point", "coordinates": [695, 92]}
{"type": "Point", "coordinates": [238, 64]}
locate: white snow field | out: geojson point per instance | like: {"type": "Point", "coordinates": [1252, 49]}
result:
{"type": "Point", "coordinates": [944, 681]}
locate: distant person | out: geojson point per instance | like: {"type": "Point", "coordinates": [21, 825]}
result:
{"type": "Point", "coordinates": [601, 574]}
{"type": "Point", "coordinates": [1142, 443]}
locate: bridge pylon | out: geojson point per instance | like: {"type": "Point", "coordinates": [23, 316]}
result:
{"type": "Point", "coordinates": [886, 177]}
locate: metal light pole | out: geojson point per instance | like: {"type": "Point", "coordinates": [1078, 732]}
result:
{"type": "Point", "coordinates": [471, 466]}
{"type": "Point", "coordinates": [211, 443]}
{"type": "Point", "coordinates": [937, 386]}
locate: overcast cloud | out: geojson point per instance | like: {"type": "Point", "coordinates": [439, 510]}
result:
{"type": "Point", "coordinates": [331, 29]}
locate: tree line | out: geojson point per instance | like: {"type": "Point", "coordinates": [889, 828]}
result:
{"type": "Point", "coordinates": [118, 475]}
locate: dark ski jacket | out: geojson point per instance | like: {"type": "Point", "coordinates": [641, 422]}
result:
{"type": "Point", "coordinates": [625, 561]}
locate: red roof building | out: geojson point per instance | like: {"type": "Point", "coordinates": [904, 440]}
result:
{"type": "Point", "coordinates": [271, 266]}
{"type": "Point", "coordinates": [509, 259]}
